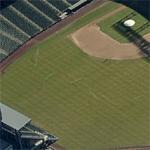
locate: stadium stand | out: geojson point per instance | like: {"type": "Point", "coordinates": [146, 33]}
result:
{"type": "Point", "coordinates": [20, 21]}
{"type": "Point", "coordinates": [8, 44]}
{"type": "Point", "coordinates": [34, 14]}
{"type": "Point", "coordinates": [12, 30]}
{"type": "Point", "coordinates": [23, 19]}
{"type": "Point", "coordinates": [18, 133]}
{"type": "Point", "coordinates": [78, 5]}
{"type": "Point", "coordinates": [61, 5]}
{"type": "Point", "coordinates": [49, 10]}
{"type": "Point", "coordinates": [72, 1]}
{"type": "Point", "coordinates": [2, 56]}
{"type": "Point", "coordinates": [5, 146]}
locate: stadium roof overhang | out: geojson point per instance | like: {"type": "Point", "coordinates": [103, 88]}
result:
{"type": "Point", "coordinates": [77, 4]}
{"type": "Point", "coordinates": [12, 118]}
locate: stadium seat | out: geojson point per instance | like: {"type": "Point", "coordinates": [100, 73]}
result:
{"type": "Point", "coordinates": [49, 11]}
{"type": "Point", "coordinates": [59, 4]}
{"type": "Point", "coordinates": [8, 44]}
{"type": "Point", "coordinates": [8, 28]}
{"type": "Point", "coordinates": [20, 22]}
{"type": "Point", "coordinates": [72, 1]}
{"type": "Point", "coordinates": [33, 14]}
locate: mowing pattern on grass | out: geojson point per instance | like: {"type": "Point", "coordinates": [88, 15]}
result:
{"type": "Point", "coordinates": [106, 25]}
{"type": "Point", "coordinates": [89, 103]}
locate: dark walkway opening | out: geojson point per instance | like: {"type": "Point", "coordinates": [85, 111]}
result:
{"type": "Point", "coordinates": [141, 6]}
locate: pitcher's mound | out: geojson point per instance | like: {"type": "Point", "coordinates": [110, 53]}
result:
{"type": "Point", "coordinates": [98, 44]}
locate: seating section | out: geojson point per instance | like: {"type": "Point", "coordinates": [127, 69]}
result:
{"type": "Point", "coordinates": [14, 32]}
{"type": "Point", "coordinates": [20, 22]}
{"type": "Point", "coordinates": [7, 44]}
{"type": "Point", "coordinates": [59, 4]}
{"type": "Point", "coordinates": [23, 19]}
{"type": "Point", "coordinates": [2, 56]}
{"type": "Point", "coordinates": [48, 10]}
{"type": "Point", "coordinates": [33, 14]}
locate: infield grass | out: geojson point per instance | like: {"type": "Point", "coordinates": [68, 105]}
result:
{"type": "Point", "coordinates": [107, 25]}
{"type": "Point", "coordinates": [89, 103]}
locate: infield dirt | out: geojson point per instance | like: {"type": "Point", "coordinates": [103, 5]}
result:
{"type": "Point", "coordinates": [92, 41]}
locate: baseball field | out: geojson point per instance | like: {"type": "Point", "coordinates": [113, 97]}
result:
{"type": "Point", "coordinates": [90, 103]}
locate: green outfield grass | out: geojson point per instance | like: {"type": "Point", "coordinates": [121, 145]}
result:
{"type": "Point", "coordinates": [89, 103]}
{"type": "Point", "coordinates": [106, 25]}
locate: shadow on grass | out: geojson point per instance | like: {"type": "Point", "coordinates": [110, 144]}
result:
{"type": "Point", "coordinates": [133, 35]}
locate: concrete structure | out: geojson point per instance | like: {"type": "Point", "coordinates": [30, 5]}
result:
{"type": "Point", "coordinates": [17, 132]}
